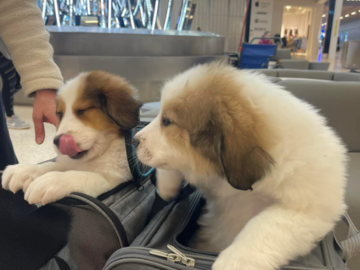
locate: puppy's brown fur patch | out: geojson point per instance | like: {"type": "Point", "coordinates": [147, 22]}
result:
{"type": "Point", "coordinates": [103, 95]}
{"type": "Point", "coordinates": [60, 110]}
{"type": "Point", "coordinates": [224, 131]}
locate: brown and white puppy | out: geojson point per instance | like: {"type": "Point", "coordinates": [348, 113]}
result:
{"type": "Point", "coordinates": [92, 154]}
{"type": "Point", "coordinates": [271, 170]}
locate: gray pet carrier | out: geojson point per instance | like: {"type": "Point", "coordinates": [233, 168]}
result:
{"type": "Point", "coordinates": [163, 244]}
{"type": "Point", "coordinates": [78, 232]}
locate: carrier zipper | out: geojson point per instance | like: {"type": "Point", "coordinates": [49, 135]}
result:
{"type": "Point", "coordinates": [177, 256]}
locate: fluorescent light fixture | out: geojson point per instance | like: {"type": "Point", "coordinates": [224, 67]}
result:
{"type": "Point", "coordinates": [288, 7]}
{"type": "Point", "coordinates": [347, 15]}
{"type": "Point", "coordinates": [324, 15]}
{"type": "Point", "coordinates": [353, 13]}
{"type": "Point", "coordinates": [341, 17]}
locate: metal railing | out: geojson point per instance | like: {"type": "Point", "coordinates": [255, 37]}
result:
{"type": "Point", "coordinates": [115, 13]}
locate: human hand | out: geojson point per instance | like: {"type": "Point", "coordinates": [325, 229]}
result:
{"type": "Point", "coordinates": [44, 112]}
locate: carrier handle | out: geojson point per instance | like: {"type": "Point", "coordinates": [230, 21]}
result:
{"type": "Point", "coordinates": [351, 246]}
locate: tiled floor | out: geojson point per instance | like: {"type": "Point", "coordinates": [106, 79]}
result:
{"type": "Point", "coordinates": [28, 151]}
{"type": "Point", "coordinates": [334, 65]}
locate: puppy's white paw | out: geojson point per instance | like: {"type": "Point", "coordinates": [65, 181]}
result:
{"type": "Point", "coordinates": [48, 188]}
{"type": "Point", "coordinates": [16, 177]}
{"type": "Point", "coordinates": [233, 258]}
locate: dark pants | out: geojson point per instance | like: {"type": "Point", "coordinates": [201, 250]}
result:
{"type": "Point", "coordinates": [10, 84]}
{"type": "Point", "coordinates": [7, 154]}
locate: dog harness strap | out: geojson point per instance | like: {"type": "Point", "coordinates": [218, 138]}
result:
{"type": "Point", "coordinates": [129, 134]}
{"type": "Point", "coordinates": [137, 172]}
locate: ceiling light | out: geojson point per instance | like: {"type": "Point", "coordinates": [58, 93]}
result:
{"type": "Point", "coordinates": [353, 13]}
{"type": "Point", "coordinates": [323, 15]}
{"type": "Point", "coordinates": [288, 7]}
{"type": "Point", "coordinates": [347, 15]}
{"type": "Point", "coordinates": [341, 17]}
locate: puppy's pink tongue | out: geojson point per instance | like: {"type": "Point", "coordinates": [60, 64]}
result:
{"type": "Point", "coordinates": [67, 146]}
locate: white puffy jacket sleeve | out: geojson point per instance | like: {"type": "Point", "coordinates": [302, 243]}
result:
{"type": "Point", "coordinates": [24, 33]}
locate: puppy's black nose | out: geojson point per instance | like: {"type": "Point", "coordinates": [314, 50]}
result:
{"type": "Point", "coordinates": [56, 140]}
{"type": "Point", "coordinates": [135, 142]}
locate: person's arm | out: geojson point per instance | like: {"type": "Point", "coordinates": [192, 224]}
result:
{"type": "Point", "coordinates": [24, 33]}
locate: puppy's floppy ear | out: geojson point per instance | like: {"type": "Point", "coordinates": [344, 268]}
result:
{"type": "Point", "coordinates": [207, 139]}
{"type": "Point", "coordinates": [115, 96]}
{"type": "Point", "coordinates": [120, 107]}
{"type": "Point", "coordinates": [243, 162]}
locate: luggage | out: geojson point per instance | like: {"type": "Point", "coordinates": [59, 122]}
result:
{"type": "Point", "coordinates": [162, 244]}
{"type": "Point", "coordinates": [102, 226]}
{"type": "Point", "coordinates": [255, 56]}
{"type": "Point", "coordinates": [79, 231]}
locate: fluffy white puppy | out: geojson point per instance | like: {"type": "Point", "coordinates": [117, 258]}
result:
{"type": "Point", "coordinates": [272, 171]}
{"type": "Point", "coordinates": [91, 146]}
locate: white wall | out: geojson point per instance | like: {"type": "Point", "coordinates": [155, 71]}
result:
{"type": "Point", "coordinates": [278, 10]}
{"type": "Point", "coordinates": [296, 21]}
{"type": "Point", "coordinates": [317, 10]}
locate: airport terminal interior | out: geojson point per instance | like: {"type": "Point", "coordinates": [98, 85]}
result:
{"type": "Point", "coordinates": [309, 47]}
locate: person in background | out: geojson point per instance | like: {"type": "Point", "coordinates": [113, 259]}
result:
{"type": "Point", "coordinates": [10, 85]}
{"type": "Point", "coordinates": [23, 31]}
{"type": "Point", "coordinates": [284, 39]}
{"type": "Point", "coordinates": [199, 29]}
{"type": "Point", "coordinates": [277, 40]}
{"type": "Point", "coordinates": [290, 39]}
{"type": "Point", "coordinates": [291, 33]}
{"type": "Point", "coordinates": [296, 33]}
{"type": "Point", "coordinates": [264, 40]}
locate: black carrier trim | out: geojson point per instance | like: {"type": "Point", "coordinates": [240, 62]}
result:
{"type": "Point", "coordinates": [137, 175]}
{"type": "Point", "coordinates": [62, 264]}
{"type": "Point", "coordinates": [114, 190]}
{"type": "Point", "coordinates": [114, 219]}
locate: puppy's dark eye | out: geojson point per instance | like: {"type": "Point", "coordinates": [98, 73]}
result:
{"type": "Point", "coordinates": [60, 115]}
{"type": "Point", "coordinates": [80, 112]}
{"type": "Point", "coordinates": [166, 122]}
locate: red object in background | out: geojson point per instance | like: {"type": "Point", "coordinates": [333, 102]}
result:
{"type": "Point", "coordinates": [243, 28]}
{"type": "Point", "coordinates": [266, 42]}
